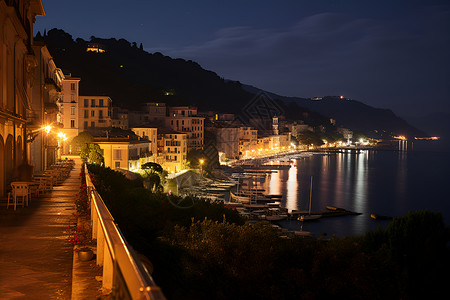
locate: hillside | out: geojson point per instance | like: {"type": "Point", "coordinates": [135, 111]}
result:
{"type": "Point", "coordinates": [353, 114]}
{"type": "Point", "coordinates": [130, 76]}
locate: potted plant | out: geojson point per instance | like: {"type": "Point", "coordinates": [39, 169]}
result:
{"type": "Point", "coordinates": [82, 242]}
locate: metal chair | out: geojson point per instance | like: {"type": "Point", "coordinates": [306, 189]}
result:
{"type": "Point", "coordinates": [19, 191]}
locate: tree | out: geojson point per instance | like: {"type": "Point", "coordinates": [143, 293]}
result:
{"type": "Point", "coordinates": [95, 155]}
{"type": "Point", "coordinates": [155, 175]}
{"type": "Point", "coordinates": [309, 138]}
{"type": "Point", "coordinates": [81, 143]}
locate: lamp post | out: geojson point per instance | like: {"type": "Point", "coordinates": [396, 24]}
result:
{"type": "Point", "coordinates": [201, 166]}
{"type": "Point", "coordinates": [61, 138]}
{"type": "Point", "coordinates": [47, 130]}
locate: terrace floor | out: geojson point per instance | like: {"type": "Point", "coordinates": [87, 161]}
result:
{"type": "Point", "coordinates": [36, 259]}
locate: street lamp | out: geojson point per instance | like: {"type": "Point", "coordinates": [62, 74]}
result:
{"type": "Point", "coordinates": [47, 128]}
{"type": "Point", "coordinates": [201, 166]}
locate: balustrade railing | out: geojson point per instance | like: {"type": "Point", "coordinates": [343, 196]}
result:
{"type": "Point", "coordinates": [123, 272]}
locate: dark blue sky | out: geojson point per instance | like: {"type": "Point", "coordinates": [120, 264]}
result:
{"type": "Point", "coordinates": [388, 54]}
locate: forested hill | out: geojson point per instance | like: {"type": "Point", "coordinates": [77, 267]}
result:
{"type": "Point", "coordinates": [352, 114]}
{"type": "Point", "coordinates": [130, 76]}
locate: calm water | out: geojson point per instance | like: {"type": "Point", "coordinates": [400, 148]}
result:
{"type": "Point", "coordinates": [384, 182]}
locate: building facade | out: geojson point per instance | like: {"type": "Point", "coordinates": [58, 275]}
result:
{"type": "Point", "coordinates": [184, 119]}
{"type": "Point", "coordinates": [149, 133]}
{"type": "Point", "coordinates": [94, 112]}
{"type": "Point", "coordinates": [47, 87]}
{"type": "Point", "coordinates": [172, 151]}
{"type": "Point", "coordinates": [69, 111]}
{"type": "Point", "coordinates": [17, 71]}
{"type": "Point", "coordinates": [123, 153]}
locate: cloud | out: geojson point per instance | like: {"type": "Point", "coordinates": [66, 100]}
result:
{"type": "Point", "coordinates": [375, 60]}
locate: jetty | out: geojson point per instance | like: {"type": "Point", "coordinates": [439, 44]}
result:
{"type": "Point", "coordinates": [330, 211]}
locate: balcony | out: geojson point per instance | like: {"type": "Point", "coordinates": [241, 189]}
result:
{"type": "Point", "coordinates": [50, 84]}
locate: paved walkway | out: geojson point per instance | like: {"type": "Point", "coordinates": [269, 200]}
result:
{"type": "Point", "coordinates": [36, 258]}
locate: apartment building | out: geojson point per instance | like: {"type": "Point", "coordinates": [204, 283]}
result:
{"type": "Point", "coordinates": [150, 133]}
{"type": "Point", "coordinates": [184, 119]}
{"type": "Point", "coordinates": [156, 111]}
{"type": "Point", "coordinates": [94, 112]}
{"type": "Point", "coordinates": [120, 118]}
{"type": "Point", "coordinates": [123, 153]}
{"type": "Point", "coordinates": [227, 142]}
{"type": "Point", "coordinates": [69, 109]}
{"type": "Point", "coordinates": [46, 93]}
{"type": "Point", "coordinates": [16, 78]}
{"type": "Point", "coordinates": [172, 150]}
{"type": "Point", "coordinates": [248, 141]}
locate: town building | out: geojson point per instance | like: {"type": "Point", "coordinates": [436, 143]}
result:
{"type": "Point", "coordinates": [248, 141]}
{"type": "Point", "coordinates": [94, 111]}
{"type": "Point", "coordinates": [172, 150]}
{"type": "Point", "coordinates": [68, 106]}
{"type": "Point", "coordinates": [184, 119]}
{"type": "Point", "coordinates": [227, 142]}
{"type": "Point", "coordinates": [156, 111]}
{"type": "Point", "coordinates": [149, 132]}
{"type": "Point", "coordinates": [124, 152]}
{"type": "Point", "coordinates": [18, 63]}
{"type": "Point", "coordinates": [120, 118]}
{"type": "Point", "coordinates": [44, 144]}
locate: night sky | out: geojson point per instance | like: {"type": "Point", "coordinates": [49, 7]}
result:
{"type": "Point", "coordinates": [386, 53]}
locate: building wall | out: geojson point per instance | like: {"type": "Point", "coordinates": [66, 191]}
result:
{"type": "Point", "coordinates": [172, 151]}
{"type": "Point", "coordinates": [124, 155]}
{"type": "Point", "coordinates": [94, 111]}
{"type": "Point", "coordinates": [69, 110]}
{"type": "Point", "coordinates": [46, 93]}
{"type": "Point", "coordinates": [120, 118]}
{"type": "Point", "coordinates": [156, 111]}
{"type": "Point", "coordinates": [17, 70]}
{"type": "Point", "coordinates": [192, 126]}
{"type": "Point", "coordinates": [151, 134]}
{"type": "Point", "coordinates": [227, 141]}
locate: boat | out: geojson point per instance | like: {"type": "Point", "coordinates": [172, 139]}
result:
{"type": "Point", "coordinates": [275, 218]}
{"type": "Point", "coordinates": [273, 196]}
{"type": "Point", "coordinates": [380, 217]}
{"type": "Point", "coordinates": [240, 198]}
{"type": "Point", "coordinates": [333, 208]}
{"type": "Point", "coordinates": [309, 216]}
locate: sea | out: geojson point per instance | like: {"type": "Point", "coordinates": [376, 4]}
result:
{"type": "Point", "coordinates": [414, 176]}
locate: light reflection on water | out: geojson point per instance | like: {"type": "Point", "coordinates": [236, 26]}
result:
{"type": "Point", "coordinates": [386, 183]}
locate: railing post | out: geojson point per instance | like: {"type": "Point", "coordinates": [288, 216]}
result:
{"type": "Point", "coordinates": [108, 270]}
{"type": "Point", "coordinates": [100, 244]}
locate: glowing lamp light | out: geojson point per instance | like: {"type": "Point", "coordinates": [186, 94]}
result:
{"type": "Point", "coordinates": [62, 136]}
{"type": "Point", "coordinates": [201, 161]}
{"type": "Point", "coordinates": [47, 128]}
